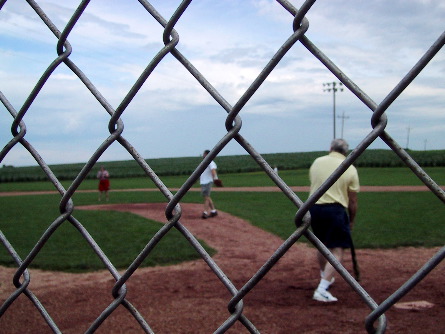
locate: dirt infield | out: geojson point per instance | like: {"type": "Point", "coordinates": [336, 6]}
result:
{"type": "Point", "coordinates": [188, 298]}
{"type": "Point", "coordinates": [228, 189]}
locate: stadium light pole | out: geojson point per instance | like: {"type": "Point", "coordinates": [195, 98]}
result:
{"type": "Point", "coordinates": [333, 87]}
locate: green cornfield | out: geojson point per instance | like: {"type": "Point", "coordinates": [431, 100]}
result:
{"type": "Point", "coordinates": [226, 165]}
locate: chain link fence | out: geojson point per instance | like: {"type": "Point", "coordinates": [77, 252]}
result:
{"type": "Point", "coordinates": [375, 321]}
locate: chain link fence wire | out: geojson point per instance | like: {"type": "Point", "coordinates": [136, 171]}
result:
{"type": "Point", "coordinates": [375, 321]}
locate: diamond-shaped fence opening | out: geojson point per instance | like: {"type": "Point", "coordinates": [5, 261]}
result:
{"type": "Point", "coordinates": [26, 112]}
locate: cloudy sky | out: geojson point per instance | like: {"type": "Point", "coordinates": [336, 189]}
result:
{"type": "Point", "coordinates": [375, 43]}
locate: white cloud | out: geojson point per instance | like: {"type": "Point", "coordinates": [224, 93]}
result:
{"type": "Point", "coordinates": [63, 76]}
{"type": "Point", "coordinates": [229, 42]}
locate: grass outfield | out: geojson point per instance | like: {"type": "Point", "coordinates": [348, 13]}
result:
{"type": "Point", "coordinates": [385, 220]}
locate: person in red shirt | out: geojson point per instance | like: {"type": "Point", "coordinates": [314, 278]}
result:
{"type": "Point", "coordinates": [104, 183]}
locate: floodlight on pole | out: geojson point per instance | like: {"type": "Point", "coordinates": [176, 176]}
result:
{"type": "Point", "coordinates": [333, 87]}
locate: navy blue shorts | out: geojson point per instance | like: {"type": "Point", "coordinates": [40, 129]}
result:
{"type": "Point", "coordinates": [330, 224]}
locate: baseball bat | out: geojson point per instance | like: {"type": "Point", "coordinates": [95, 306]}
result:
{"type": "Point", "coordinates": [354, 261]}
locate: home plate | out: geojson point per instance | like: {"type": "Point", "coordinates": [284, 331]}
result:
{"type": "Point", "coordinates": [414, 305]}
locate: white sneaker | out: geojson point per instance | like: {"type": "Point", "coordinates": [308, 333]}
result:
{"type": "Point", "coordinates": [324, 296]}
{"type": "Point", "coordinates": [332, 279]}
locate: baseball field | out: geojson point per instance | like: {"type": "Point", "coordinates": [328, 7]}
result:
{"type": "Point", "coordinates": [398, 229]}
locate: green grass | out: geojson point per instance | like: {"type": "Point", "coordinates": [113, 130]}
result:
{"type": "Point", "coordinates": [389, 220]}
{"type": "Point", "coordinates": [384, 220]}
{"type": "Point", "coordinates": [121, 236]}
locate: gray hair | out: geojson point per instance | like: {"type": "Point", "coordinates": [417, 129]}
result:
{"type": "Point", "coordinates": [340, 145]}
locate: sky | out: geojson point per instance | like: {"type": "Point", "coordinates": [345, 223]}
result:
{"type": "Point", "coordinates": [375, 44]}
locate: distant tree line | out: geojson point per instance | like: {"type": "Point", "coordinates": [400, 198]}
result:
{"type": "Point", "coordinates": [226, 165]}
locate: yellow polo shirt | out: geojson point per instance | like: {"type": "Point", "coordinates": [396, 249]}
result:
{"type": "Point", "coordinates": [322, 168]}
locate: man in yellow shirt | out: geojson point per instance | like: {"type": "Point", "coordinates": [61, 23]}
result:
{"type": "Point", "coordinates": [332, 217]}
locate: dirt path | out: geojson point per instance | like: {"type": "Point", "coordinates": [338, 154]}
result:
{"type": "Point", "coordinates": [188, 298]}
{"type": "Point", "coordinates": [228, 189]}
